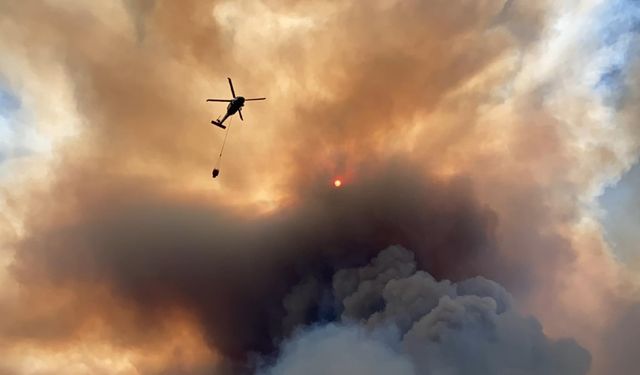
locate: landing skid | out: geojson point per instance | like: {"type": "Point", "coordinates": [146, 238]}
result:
{"type": "Point", "coordinates": [218, 124]}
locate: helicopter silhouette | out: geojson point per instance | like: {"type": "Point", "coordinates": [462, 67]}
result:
{"type": "Point", "coordinates": [235, 106]}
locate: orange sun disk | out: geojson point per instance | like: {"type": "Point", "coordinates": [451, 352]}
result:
{"type": "Point", "coordinates": [337, 183]}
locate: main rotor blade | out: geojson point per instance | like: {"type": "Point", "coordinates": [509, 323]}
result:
{"type": "Point", "coordinates": [220, 100]}
{"type": "Point", "coordinates": [255, 99]}
{"type": "Point", "coordinates": [240, 113]}
{"type": "Point", "coordinates": [231, 85]}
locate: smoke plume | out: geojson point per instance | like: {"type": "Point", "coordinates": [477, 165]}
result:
{"type": "Point", "coordinates": [395, 319]}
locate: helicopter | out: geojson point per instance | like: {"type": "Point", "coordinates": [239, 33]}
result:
{"type": "Point", "coordinates": [235, 105]}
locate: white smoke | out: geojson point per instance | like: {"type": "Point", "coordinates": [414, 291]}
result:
{"type": "Point", "coordinates": [341, 349]}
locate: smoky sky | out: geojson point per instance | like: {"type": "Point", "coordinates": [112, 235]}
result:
{"type": "Point", "coordinates": [233, 271]}
{"type": "Point", "coordinates": [454, 132]}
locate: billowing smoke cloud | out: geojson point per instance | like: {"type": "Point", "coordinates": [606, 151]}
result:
{"type": "Point", "coordinates": [396, 320]}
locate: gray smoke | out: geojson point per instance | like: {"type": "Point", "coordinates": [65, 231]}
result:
{"type": "Point", "coordinates": [396, 320]}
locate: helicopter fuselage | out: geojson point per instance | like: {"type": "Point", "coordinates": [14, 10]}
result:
{"type": "Point", "coordinates": [235, 105]}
